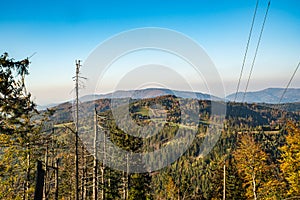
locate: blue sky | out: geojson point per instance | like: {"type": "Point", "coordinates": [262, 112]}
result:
{"type": "Point", "coordinates": [62, 31]}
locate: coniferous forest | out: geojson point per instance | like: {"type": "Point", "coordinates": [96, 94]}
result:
{"type": "Point", "coordinates": [257, 155]}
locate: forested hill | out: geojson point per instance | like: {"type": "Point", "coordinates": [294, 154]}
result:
{"type": "Point", "coordinates": [252, 114]}
{"type": "Point", "coordinates": [254, 137]}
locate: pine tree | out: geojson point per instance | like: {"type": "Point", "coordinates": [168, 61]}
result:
{"type": "Point", "coordinates": [19, 138]}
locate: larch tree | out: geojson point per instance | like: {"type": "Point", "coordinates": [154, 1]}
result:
{"type": "Point", "coordinates": [290, 160]}
{"type": "Point", "coordinates": [251, 164]}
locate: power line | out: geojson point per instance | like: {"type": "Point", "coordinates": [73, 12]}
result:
{"type": "Point", "coordinates": [256, 51]}
{"type": "Point", "coordinates": [288, 85]}
{"type": "Point", "coordinates": [246, 52]}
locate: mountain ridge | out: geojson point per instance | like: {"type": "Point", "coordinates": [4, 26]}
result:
{"type": "Point", "coordinates": [149, 93]}
{"type": "Point", "coordinates": [268, 95]}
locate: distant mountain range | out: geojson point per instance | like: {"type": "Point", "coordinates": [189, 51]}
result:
{"type": "Point", "coordinates": [44, 107]}
{"type": "Point", "coordinates": [269, 95]}
{"type": "Point", "coordinates": [149, 93]}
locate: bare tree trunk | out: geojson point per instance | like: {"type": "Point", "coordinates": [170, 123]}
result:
{"type": "Point", "coordinates": [254, 186]}
{"type": "Point", "coordinates": [76, 133]}
{"type": "Point", "coordinates": [127, 169]}
{"type": "Point", "coordinates": [46, 173]}
{"type": "Point", "coordinates": [102, 182]}
{"type": "Point", "coordinates": [28, 176]}
{"type": "Point", "coordinates": [124, 188]}
{"type": "Point", "coordinates": [82, 172]}
{"type": "Point", "coordinates": [126, 180]}
{"type": "Point", "coordinates": [56, 179]}
{"type": "Point", "coordinates": [103, 167]}
{"type": "Point", "coordinates": [224, 182]}
{"type": "Point", "coordinates": [38, 193]}
{"type": "Point", "coordinates": [95, 174]}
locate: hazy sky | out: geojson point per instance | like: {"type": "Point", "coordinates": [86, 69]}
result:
{"type": "Point", "coordinates": [62, 31]}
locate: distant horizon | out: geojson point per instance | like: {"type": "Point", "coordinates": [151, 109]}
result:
{"type": "Point", "coordinates": [126, 90]}
{"type": "Point", "coordinates": [103, 94]}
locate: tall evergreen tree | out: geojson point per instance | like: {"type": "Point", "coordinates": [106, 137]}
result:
{"type": "Point", "coordinates": [18, 132]}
